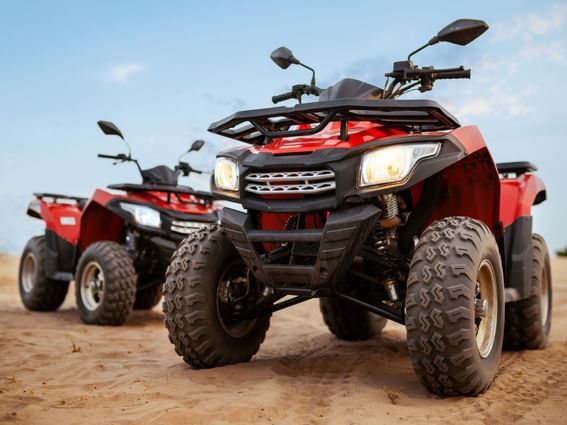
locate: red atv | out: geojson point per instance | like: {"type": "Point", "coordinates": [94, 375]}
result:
{"type": "Point", "coordinates": [116, 245]}
{"type": "Point", "coordinates": [383, 209]}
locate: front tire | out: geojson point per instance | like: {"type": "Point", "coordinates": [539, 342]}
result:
{"type": "Point", "coordinates": [455, 307]}
{"type": "Point", "coordinates": [197, 315]}
{"type": "Point", "coordinates": [37, 291]}
{"type": "Point", "coordinates": [105, 284]}
{"type": "Point", "coordinates": [528, 321]}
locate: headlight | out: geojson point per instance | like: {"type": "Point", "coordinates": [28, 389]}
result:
{"type": "Point", "coordinates": [143, 215]}
{"type": "Point", "coordinates": [226, 174]}
{"type": "Point", "coordinates": [393, 164]}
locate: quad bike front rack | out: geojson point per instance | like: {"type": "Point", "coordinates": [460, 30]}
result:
{"type": "Point", "coordinates": [259, 126]}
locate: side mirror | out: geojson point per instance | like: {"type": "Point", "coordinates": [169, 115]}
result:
{"type": "Point", "coordinates": [461, 32]}
{"type": "Point", "coordinates": [110, 129]}
{"type": "Point", "coordinates": [197, 145]}
{"type": "Point", "coordinates": [283, 57]}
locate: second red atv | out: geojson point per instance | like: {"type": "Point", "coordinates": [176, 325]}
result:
{"type": "Point", "coordinates": [381, 208]}
{"type": "Point", "coordinates": [115, 245]}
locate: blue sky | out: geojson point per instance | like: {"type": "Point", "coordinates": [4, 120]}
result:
{"type": "Point", "coordinates": [164, 70]}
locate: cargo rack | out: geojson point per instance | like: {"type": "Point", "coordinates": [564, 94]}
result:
{"type": "Point", "coordinates": [260, 126]}
{"type": "Point", "coordinates": [206, 197]}
{"type": "Point", "coordinates": [57, 196]}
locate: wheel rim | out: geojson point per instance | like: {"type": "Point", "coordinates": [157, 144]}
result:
{"type": "Point", "coordinates": [235, 274]}
{"type": "Point", "coordinates": [486, 309]}
{"type": "Point", "coordinates": [544, 297]}
{"type": "Point", "coordinates": [28, 272]}
{"type": "Point", "coordinates": [92, 286]}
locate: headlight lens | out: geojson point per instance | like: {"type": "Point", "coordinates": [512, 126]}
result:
{"type": "Point", "coordinates": [393, 164]}
{"type": "Point", "coordinates": [226, 174]}
{"type": "Point", "coordinates": [143, 215]}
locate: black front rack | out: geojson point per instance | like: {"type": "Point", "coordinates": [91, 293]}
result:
{"type": "Point", "coordinates": [259, 126]}
{"type": "Point", "coordinates": [55, 197]}
{"type": "Point", "coordinates": [177, 190]}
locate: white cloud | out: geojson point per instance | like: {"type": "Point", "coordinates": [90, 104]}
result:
{"type": "Point", "coordinates": [123, 72]}
{"type": "Point", "coordinates": [531, 26]}
{"type": "Point", "coordinates": [495, 102]}
{"type": "Point", "coordinates": [500, 77]}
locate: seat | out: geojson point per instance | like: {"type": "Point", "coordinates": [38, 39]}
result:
{"type": "Point", "coordinates": [82, 202]}
{"type": "Point", "coordinates": [518, 167]}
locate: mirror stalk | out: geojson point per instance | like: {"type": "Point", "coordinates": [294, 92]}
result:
{"type": "Point", "coordinates": [431, 42]}
{"type": "Point", "coordinates": [313, 83]}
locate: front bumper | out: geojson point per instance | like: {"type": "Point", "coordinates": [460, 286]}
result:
{"type": "Point", "coordinates": [338, 242]}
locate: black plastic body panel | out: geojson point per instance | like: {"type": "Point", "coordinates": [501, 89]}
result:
{"type": "Point", "coordinates": [59, 257]}
{"type": "Point", "coordinates": [517, 256]}
{"type": "Point", "coordinates": [339, 241]}
{"type": "Point", "coordinates": [345, 163]}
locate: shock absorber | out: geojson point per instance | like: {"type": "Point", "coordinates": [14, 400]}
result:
{"type": "Point", "coordinates": [385, 244]}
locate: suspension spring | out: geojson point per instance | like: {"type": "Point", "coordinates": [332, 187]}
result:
{"type": "Point", "coordinates": [391, 209]}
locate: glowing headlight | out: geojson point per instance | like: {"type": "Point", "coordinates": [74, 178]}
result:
{"type": "Point", "coordinates": [393, 164]}
{"type": "Point", "coordinates": [143, 215]}
{"type": "Point", "coordinates": [226, 174]}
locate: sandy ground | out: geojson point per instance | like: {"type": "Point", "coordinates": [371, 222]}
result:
{"type": "Point", "coordinates": [54, 369]}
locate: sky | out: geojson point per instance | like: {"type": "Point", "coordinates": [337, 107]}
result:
{"type": "Point", "coordinates": [163, 71]}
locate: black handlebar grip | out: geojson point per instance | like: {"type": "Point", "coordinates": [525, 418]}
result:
{"type": "Point", "coordinates": [450, 75]}
{"type": "Point", "coordinates": [101, 155]}
{"type": "Point", "coordinates": [281, 97]}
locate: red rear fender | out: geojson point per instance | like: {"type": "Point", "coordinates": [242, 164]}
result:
{"type": "Point", "coordinates": [63, 219]}
{"type": "Point", "coordinates": [518, 195]}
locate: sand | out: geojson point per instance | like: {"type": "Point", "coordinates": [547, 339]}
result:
{"type": "Point", "coordinates": [55, 370]}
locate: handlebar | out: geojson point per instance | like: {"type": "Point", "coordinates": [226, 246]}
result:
{"type": "Point", "coordinates": [296, 92]}
{"type": "Point", "coordinates": [430, 73]}
{"type": "Point", "coordinates": [185, 169]}
{"type": "Point", "coordinates": [284, 96]}
{"type": "Point", "coordinates": [405, 73]}
{"type": "Point", "coordinates": [452, 74]}
{"type": "Point", "coordinates": [119, 157]}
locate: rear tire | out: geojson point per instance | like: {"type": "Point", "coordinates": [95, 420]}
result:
{"type": "Point", "coordinates": [148, 298]}
{"type": "Point", "coordinates": [350, 322]}
{"type": "Point", "coordinates": [455, 307]}
{"type": "Point", "coordinates": [105, 284]}
{"type": "Point", "coordinates": [196, 318]}
{"type": "Point", "coordinates": [37, 291]}
{"type": "Point", "coordinates": [528, 321]}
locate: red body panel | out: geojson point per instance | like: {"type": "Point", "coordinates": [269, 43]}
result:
{"type": "Point", "coordinates": [63, 219]}
{"type": "Point", "coordinates": [359, 133]}
{"type": "Point", "coordinates": [95, 222]}
{"type": "Point", "coordinates": [517, 197]}
{"type": "Point", "coordinates": [474, 187]}
{"type": "Point", "coordinates": [190, 204]}
{"type": "Point", "coordinates": [471, 138]}
{"type": "Point", "coordinates": [473, 190]}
